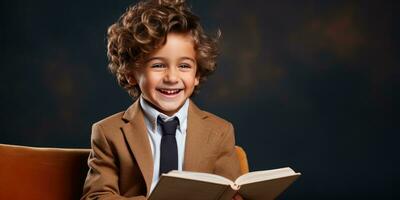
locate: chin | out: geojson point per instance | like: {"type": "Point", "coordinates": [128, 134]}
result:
{"type": "Point", "coordinates": [170, 109]}
{"type": "Point", "coordinates": [168, 105]}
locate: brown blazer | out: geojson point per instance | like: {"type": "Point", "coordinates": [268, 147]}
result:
{"type": "Point", "coordinates": [121, 163]}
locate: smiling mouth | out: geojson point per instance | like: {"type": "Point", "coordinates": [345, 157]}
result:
{"type": "Point", "coordinates": [169, 91]}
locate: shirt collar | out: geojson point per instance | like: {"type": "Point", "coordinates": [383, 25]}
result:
{"type": "Point", "coordinates": [151, 115]}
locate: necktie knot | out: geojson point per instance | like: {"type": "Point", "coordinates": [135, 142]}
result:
{"type": "Point", "coordinates": [169, 127]}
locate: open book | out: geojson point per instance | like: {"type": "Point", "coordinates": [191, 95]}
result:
{"type": "Point", "coordinates": [259, 185]}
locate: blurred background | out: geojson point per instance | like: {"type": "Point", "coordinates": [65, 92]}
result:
{"type": "Point", "coordinates": [310, 84]}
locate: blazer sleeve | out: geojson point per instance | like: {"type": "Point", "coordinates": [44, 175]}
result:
{"type": "Point", "coordinates": [102, 179]}
{"type": "Point", "coordinates": [227, 163]}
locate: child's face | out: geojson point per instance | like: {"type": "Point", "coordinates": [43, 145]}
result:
{"type": "Point", "coordinates": [169, 75]}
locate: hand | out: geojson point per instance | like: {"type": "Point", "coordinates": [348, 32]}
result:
{"type": "Point", "coordinates": [237, 197]}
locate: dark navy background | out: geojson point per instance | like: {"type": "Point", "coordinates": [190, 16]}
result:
{"type": "Point", "coordinates": [309, 84]}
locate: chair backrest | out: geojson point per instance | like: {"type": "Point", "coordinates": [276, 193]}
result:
{"type": "Point", "coordinates": [42, 173]}
{"type": "Point", "coordinates": [50, 173]}
{"type": "Point", "coordinates": [244, 165]}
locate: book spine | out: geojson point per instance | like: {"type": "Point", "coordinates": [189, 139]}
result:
{"type": "Point", "coordinates": [226, 194]}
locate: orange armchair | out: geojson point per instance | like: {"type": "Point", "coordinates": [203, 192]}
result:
{"type": "Point", "coordinates": [30, 173]}
{"type": "Point", "coordinates": [244, 166]}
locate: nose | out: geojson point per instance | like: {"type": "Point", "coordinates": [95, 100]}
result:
{"type": "Point", "coordinates": [172, 75]}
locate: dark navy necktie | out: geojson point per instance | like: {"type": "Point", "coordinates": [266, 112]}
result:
{"type": "Point", "coordinates": [168, 149]}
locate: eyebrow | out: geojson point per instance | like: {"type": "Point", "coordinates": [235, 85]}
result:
{"type": "Point", "coordinates": [164, 59]}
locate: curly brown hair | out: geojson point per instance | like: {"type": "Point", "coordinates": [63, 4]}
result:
{"type": "Point", "coordinates": [143, 28]}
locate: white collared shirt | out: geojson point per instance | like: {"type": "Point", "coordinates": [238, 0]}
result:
{"type": "Point", "coordinates": [154, 133]}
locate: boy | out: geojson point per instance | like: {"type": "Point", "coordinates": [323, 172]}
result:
{"type": "Point", "coordinates": [159, 54]}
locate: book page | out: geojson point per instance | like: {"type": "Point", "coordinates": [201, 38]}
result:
{"type": "Point", "coordinates": [172, 188]}
{"type": "Point", "coordinates": [205, 177]}
{"type": "Point", "coordinates": [258, 176]}
{"type": "Point", "coordinates": [266, 190]}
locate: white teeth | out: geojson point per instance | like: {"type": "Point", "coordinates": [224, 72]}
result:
{"type": "Point", "coordinates": [170, 91]}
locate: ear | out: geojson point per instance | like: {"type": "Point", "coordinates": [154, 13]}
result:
{"type": "Point", "coordinates": [197, 80]}
{"type": "Point", "coordinates": [131, 79]}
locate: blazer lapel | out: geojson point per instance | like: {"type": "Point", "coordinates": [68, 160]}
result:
{"type": "Point", "coordinates": [196, 138]}
{"type": "Point", "coordinates": [136, 134]}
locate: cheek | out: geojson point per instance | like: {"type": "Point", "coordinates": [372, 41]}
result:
{"type": "Point", "coordinates": [149, 81]}
{"type": "Point", "coordinates": [142, 83]}
{"type": "Point", "coordinates": [191, 81]}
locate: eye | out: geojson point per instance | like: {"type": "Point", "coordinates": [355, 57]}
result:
{"type": "Point", "coordinates": [157, 65]}
{"type": "Point", "coordinates": [185, 66]}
